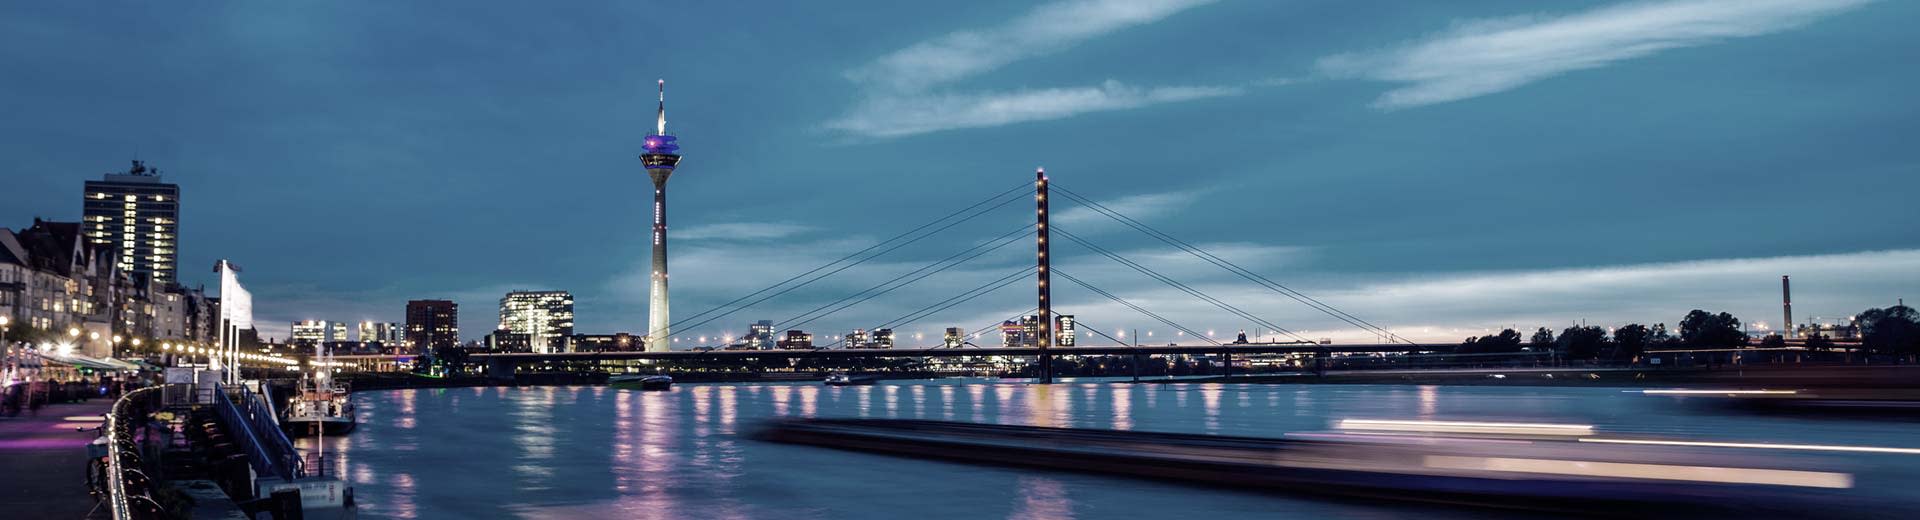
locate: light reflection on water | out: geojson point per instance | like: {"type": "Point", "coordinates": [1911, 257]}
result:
{"type": "Point", "coordinates": [595, 452]}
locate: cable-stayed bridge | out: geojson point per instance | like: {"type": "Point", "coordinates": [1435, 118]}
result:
{"type": "Point", "coordinates": [1038, 232]}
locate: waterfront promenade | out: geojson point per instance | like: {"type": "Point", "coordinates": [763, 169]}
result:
{"type": "Point", "coordinates": [43, 461]}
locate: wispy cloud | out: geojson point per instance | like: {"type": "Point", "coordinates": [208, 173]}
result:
{"type": "Point", "coordinates": [1480, 57]}
{"type": "Point", "coordinates": [1046, 29]}
{"type": "Point", "coordinates": [740, 231]}
{"type": "Point", "coordinates": [899, 97]}
{"type": "Point", "coordinates": [901, 115]}
{"type": "Point", "coordinates": [1145, 206]}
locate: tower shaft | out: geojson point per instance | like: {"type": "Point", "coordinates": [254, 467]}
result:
{"type": "Point", "coordinates": [1045, 273]}
{"type": "Point", "coordinates": [659, 321]}
{"type": "Point", "coordinates": [1786, 306]}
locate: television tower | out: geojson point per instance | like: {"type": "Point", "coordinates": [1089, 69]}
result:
{"type": "Point", "coordinates": [662, 155]}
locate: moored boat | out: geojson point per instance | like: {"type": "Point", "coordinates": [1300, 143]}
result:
{"type": "Point", "coordinates": [320, 405]}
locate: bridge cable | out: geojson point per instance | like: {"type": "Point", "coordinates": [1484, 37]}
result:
{"type": "Point", "coordinates": [1223, 263]}
{"type": "Point", "coordinates": [957, 300]}
{"type": "Point", "coordinates": [1202, 295]}
{"type": "Point", "coordinates": [1136, 308]}
{"type": "Point", "coordinates": [851, 256]}
{"type": "Point", "coordinates": [1235, 268]}
{"type": "Point", "coordinates": [975, 292]}
{"type": "Point", "coordinates": [1077, 323]}
{"type": "Point", "coordinates": [889, 249]}
{"type": "Point", "coordinates": [989, 246]}
{"type": "Point", "coordinates": [1015, 317]}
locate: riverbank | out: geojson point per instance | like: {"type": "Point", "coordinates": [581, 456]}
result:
{"type": "Point", "coordinates": [392, 381]}
{"type": "Point", "coordinates": [1762, 376]}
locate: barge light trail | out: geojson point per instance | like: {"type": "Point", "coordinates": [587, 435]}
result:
{"type": "Point", "coordinates": [1466, 427]}
{"type": "Point", "coordinates": [1587, 468]}
{"type": "Point", "coordinates": [1759, 445]}
{"type": "Point", "coordinates": [1719, 392]}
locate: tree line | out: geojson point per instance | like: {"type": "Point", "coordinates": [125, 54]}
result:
{"type": "Point", "coordinates": [1893, 331]}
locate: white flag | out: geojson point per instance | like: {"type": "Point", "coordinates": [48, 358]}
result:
{"type": "Point", "coordinates": [236, 304]}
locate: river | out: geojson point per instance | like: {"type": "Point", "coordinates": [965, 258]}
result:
{"type": "Point", "coordinates": [598, 452]}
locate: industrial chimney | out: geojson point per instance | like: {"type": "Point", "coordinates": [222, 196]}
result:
{"type": "Point", "coordinates": [1786, 305]}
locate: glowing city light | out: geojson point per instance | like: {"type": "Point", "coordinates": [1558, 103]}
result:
{"type": "Point", "coordinates": [1466, 427]}
{"type": "Point", "coordinates": [1759, 445]}
{"type": "Point", "coordinates": [1587, 468]}
{"type": "Point", "coordinates": [1719, 392]}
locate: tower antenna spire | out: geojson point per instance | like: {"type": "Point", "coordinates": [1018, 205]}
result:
{"type": "Point", "coordinates": [662, 130]}
{"type": "Point", "coordinates": [660, 158]}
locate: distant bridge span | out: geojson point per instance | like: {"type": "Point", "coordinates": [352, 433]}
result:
{"type": "Point", "coordinates": [689, 355]}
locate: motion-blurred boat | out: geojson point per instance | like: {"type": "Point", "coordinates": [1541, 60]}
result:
{"type": "Point", "coordinates": [641, 382]}
{"type": "Point", "coordinates": [839, 379]}
{"type": "Point", "coordinates": [1887, 402]}
{"type": "Point", "coordinates": [1509, 466]}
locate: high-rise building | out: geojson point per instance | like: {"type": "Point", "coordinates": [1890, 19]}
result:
{"type": "Point", "coordinates": [882, 338]}
{"type": "Point", "coordinates": [1019, 333]}
{"type": "Point", "coordinates": [313, 332]}
{"type": "Point", "coordinates": [505, 341]}
{"type": "Point", "coordinates": [854, 339]}
{"type": "Point", "coordinates": [659, 160]}
{"type": "Point", "coordinates": [138, 217]}
{"type": "Point", "coordinates": [432, 323]}
{"type": "Point", "coordinates": [759, 335]}
{"type": "Point", "coordinates": [384, 333]}
{"type": "Point", "coordinates": [546, 317]}
{"type": "Point", "coordinates": [955, 338]}
{"type": "Point", "coordinates": [796, 340]}
{"type": "Point", "coordinates": [1063, 330]}
{"type": "Point", "coordinates": [616, 342]}
{"type": "Point", "coordinates": [1026, 332]}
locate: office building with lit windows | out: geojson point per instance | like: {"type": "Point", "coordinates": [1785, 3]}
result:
{"type": "Point", "coordinates": [138, 217]}
{"type": "Point", "coordinates": [313, 332]}
{"type": "Point", "coordinates": [432, 323]}
{"type": "Point", "coordinates": [795, 340]}
{"type": "Point", "coordinates": [1025, 333]}
{"type": "Point", "coordinates": [546, 317]}
{"type": "Point", "coordinates": [381, 332]}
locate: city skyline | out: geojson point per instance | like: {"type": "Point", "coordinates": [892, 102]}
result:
{"type": "Point", "coordinates": [1357, 160]}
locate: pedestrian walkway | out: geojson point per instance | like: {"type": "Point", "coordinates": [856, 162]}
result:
{"type": "Point", "coordinates": [43, 460]}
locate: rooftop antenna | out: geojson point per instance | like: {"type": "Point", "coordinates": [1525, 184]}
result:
{"type": "Point", "coordinates": [662, 129]}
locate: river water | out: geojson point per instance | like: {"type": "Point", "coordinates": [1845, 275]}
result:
{"type": "Point", "coordinates": [598, 452]}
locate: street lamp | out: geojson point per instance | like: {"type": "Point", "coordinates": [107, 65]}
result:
{"type": "Point", "coordinates": [3, 330]}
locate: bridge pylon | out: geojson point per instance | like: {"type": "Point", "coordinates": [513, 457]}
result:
{"type": "Point", "coordinates": [1046, 300]}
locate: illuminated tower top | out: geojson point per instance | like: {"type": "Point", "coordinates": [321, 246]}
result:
{"type": "Point", "coordinates": [662, 149]}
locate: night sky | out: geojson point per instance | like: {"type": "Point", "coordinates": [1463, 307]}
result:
{"type": "Point", "coordinates": [1442, 168]}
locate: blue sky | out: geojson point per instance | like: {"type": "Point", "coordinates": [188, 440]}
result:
{"type": "Point", "coordinates": [1437, 167]}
